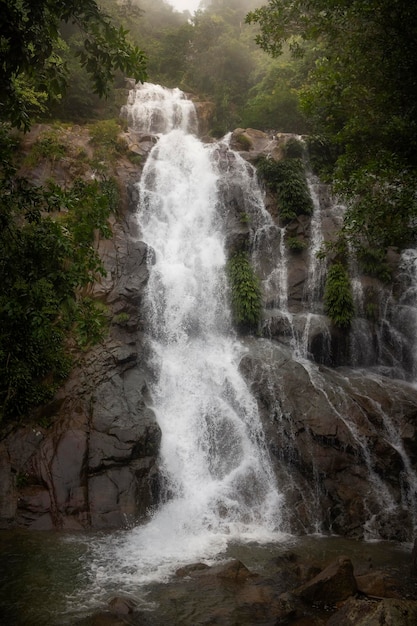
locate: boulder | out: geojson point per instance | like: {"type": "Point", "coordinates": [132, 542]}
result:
{"type": "Point", "coordinates": [387, 612]}
{"type": "Point", "coordinates": [122, 606]}
{"type": "Point", "coordinates": [340, 435]}
{"type": "Point", "coordinates": [334, 584]}
{"type": "Point", "coordinates": [234, 571]}
{"type": "Point", "coordinates": [377, 584]}
{"type": "Point", "coordinates": [188, 570]}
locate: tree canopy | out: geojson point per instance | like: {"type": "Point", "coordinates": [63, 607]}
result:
{"type": "Point", "coordinates": [47, 253]}
{"type": "Point", "coordinates": [360, 98]}
{"type": "Point", "coordinates": [33, 69]}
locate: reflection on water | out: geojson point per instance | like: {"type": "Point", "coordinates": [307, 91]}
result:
{"type": "Point", "coordinates": [43, 577]}
{"type": "Point", "coordinates": [37, 573]}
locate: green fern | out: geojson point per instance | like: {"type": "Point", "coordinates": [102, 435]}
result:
{"type": "Point", "coordinates": [338, 299]}
{"type": "Point", "coordinates": [246, 292]}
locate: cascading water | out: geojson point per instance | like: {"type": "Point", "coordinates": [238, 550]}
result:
{"type": "Point", "coordinates": [400, 319]}
{"type": "Point", "coordinates": [218, 468]}
{"type": "Point", "coordinates": [218, 485]}
{"type": "Point", "coordinates": [299, 324]}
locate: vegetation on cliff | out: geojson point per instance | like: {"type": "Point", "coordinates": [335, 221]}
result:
{"type": "Point", "coordinates": [245, 291]}
{"type": "Point", "coordinates": [34, 69]}
{"type": "Point", "coordinates": [338, 299]}
{"type": "Point", "coordinates": [359, 96]}
{"type": "Point", "coordinates": [47, 259]}
{"type": "Point", "coordinates": [287, 180]}
{"type": "Point", "coordinates": [47, 232]}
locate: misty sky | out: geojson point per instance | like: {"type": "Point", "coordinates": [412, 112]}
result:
{"type": "Point", "coordinates": [183, 5]}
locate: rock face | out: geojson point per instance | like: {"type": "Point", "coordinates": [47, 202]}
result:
{"type": "Point", "coordinates": [232, 594]}
{"type": "Point", "coordinates": [339, 440]}
{"type": "Point", "coordinates": [334, 584]}
{"type": "Point", "coordinates": [96, 465]}
{"type": "Point", "coordinates": [343, 441]}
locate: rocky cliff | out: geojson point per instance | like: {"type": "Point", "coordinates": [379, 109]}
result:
{"type": "Point", "coordinates": [343, 440]}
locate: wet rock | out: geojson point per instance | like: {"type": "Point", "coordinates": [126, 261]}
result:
{"type": "Point", "coordinates": [388, 612]}
{"type": "Point", "coordinates": [205, 111]}
{"type": "Point", "coordinates": [188, 570]}
{"type": "Point", "coordinates": [254, 143]}
{"type": "Point", "coordinates": [378, 584]}
{"type": "Point", "coordinates": [334, 584]}
{"type": "Point", "coordinates": [324, 430]}
{"type": "Point", "coordinates": [109, 618]}
{"type": "Point", "coordinates": [93, 462]}
{"type": "Point", "coordinates": [7, 491]}
{"type": "Point", "coordinates": [234, 571]}
{"type": "Point", "coordinates": [122, 606]}
{"type": "Point", "coordinates": [414, 559]}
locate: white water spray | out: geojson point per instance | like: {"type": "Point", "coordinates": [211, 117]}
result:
{"type": "Point", "coordinates": [218, 482]}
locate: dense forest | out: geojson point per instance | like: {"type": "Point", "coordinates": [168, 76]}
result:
{"type": "Point", "coordinates": [341, 72]}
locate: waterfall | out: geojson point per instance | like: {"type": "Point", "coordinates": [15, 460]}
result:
{"type": "Point", "coordinates": [218, 484]}
{"type": "Point", "coordinates": [258, 440]}
{"type": "Point", "coordinates": [401, 318]}
{"type": "Point", "coordinates": [317, 266]}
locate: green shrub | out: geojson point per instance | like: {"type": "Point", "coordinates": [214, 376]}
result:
{"type": "Point", "coordinates": [244, 142]}
{"type": "Point", "coordinates": [287, 180]}
{"type": "Point", "coordinates": [121, 319]}
{"type": "Point", "coordinates": [322, 155]}
{"type": "Point", "coordinates": [246, 292]}
{"type": "Point", "coordinates": [294, 149]}
{"type": "Point", "coordinates": [48, 146]}
{"type": "Point", "coordinates": [338, 299]}
{"type": "Point", "coordinates": [105, 137]}
{"type": "Point", "coordinates": [91, 322]}
{"type": "Point", "coordinates": [295, 244]}
{"type": "Point", "coordinates": [43, 264]}
{"type": "Point", "coordinates": [374, 263]}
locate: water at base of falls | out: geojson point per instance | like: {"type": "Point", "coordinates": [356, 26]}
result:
{"type": "Point", "coordinates": [218, 488]}
{"type": "Point", "coordinates": [218, 485]}
{"type": "Point", "coordinates": [39, 571]}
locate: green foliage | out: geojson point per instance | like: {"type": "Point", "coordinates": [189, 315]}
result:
{"type": "Point", "coordinates": [287, 180]}
{"type": "Point", "coordinates": [105, 136]}
{"type": "Point", "coordinates": [91, 323]}
{"type": "Point", "coordinates": [44, 261]}
{"type": "Point", "coordinates": [47, 146]}
{"type": "Point", "coordinates": [374, 263]}
{"type": "Point", "coordinates": [295, 244]}
{"type": "Point", "coordinates": [90, 205]}
{"type": "Point", "coordinates": [273, 101]}
{"type": "Point", "coordinates": [338, 299]}
{"type": "Point", "coordinates": [359, 97]}
{"type": "Point", "coordinates": [121, 319]}
{"type": "Point", "coordinates": [322, 154]}
{"type": "Point", "coordinates": [294, 149]}
{"type": "Point", "coordinates": [246, 292]}
{"type": "Point", "coordinates": [32, 54]}
{"type": "Point", "coordinates": [244, 142]}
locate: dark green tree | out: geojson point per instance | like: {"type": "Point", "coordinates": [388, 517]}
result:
{"type": "Point", "coordinates": [33, 70]}
{"type": "Point", "coordinates": [46, 258]}
{"type": "Point", "coordinates": [360, 98]}
{"type": "Point", "coordinates": [47, 255]}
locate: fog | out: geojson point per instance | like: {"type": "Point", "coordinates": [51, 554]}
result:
{"type": "Point", "coordinates": [184, 5]}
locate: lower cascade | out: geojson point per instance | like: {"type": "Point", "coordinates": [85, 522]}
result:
{"type": "Point", "coordinates": [218, 484]}
{"type": "Point", "coordinates": [258, 440]}
{"type": "Point", "coordinates": [203, 466]}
